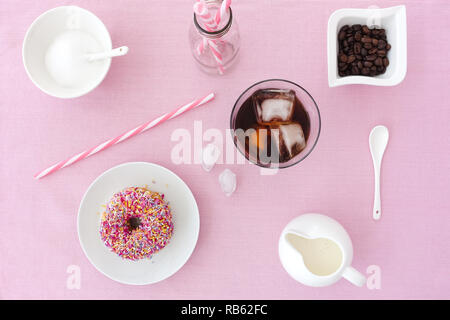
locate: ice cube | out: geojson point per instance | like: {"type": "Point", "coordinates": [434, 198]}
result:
{"type": "Point", "coordinates": [274, 105]}
{"type": "Point", "coordinates": [293, 138]}
{"type": "Point", "coordinates": [227, 180]}
{"type": "Point", "coordinates": [211, 154]}
{"type": "Point", "coordinates": [289, 138]}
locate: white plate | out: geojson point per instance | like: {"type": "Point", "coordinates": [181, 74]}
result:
{"type": "Point", "coordinates": [185, 218]}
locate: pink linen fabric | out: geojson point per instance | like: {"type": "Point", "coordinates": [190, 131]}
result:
{"type": "Point", "coordinates": [236, 256]}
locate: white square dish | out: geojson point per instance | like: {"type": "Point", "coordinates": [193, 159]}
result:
{"type": "Point", "coordinates": [393, 20]}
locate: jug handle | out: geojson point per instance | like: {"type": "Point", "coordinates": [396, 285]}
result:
{"type": "Point", "coordinates": [354, 276]}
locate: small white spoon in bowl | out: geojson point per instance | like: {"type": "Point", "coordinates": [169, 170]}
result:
{"type": "Point", "coordinates": [107, 54]}
{"type": "Point", "coordinates": [378, 139]}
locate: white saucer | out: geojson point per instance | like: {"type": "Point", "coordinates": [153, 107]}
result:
{"type": "Point", "coordinates": [185, 217]}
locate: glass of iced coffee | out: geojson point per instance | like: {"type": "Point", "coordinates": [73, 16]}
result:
{"type": "Point", "coordinates": [275, 123]}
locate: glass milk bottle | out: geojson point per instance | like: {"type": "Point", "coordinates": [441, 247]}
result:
{"type": "Point", "coordinates": [214, 47]}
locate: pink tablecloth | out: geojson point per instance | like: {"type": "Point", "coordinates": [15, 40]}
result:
{"type": "Point", "coordinates": [236, 255]}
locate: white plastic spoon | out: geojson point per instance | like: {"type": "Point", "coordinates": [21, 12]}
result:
{"type": "Point", "coordinates": [378, 139]}
{"type": "Point", "coordinates": [108, 54]}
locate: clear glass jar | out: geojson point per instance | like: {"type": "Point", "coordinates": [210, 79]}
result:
{"type": "Point", "coordinates": [215, 50]}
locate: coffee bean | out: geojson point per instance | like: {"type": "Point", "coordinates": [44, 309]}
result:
{"type": "Point", "coordinates": [362, 50]}
{"type": "Point", "coordinates": [355, 70]}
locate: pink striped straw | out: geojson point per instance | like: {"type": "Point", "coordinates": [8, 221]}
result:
{"type": "Point", "coordinates": [201, 10]}
{"type": "Point", "coordinates": [201, 47]}
{"type": "Point", "coordinates": [222, 11]}
{"type": "Point", "coordinates": [217, 55]}
{"type": "Point", "coordinates": [124, 136]}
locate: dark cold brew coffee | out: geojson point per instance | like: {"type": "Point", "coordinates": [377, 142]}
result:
{"type": "Point", "coordinates": [273, 126]}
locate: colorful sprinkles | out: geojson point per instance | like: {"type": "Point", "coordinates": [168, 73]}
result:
{"type": "Point", "coordinates": [137, 223]}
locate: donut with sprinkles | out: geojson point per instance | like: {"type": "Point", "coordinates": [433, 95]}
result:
{"type": "Point", "coordinates": [137, 223]}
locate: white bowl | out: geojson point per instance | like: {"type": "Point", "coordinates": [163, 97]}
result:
{"type": "Point", "coordinates": [41, 35]}
{"type": "Point", "coordinates": [393, 20]}
{"type": "Point", "coordinates": [185, 218]}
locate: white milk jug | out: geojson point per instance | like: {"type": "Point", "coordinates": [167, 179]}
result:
{"type": "Point", "coordinates": [317, 251]}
